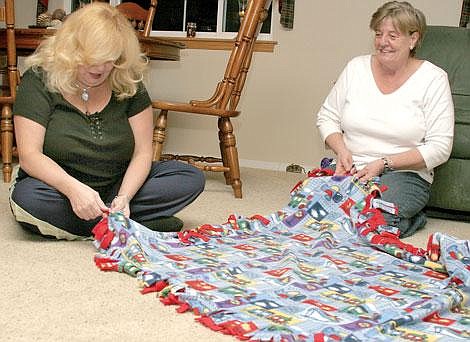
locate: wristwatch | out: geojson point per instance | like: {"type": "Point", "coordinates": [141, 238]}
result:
{"type": "Point", "coordinates": [387, 164]}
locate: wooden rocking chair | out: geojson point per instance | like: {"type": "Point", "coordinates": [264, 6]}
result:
{"type": "Point", "coordinates": [223, 103]}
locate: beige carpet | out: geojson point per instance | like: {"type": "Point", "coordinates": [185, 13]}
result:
{"type": "Point", "coordinates": [52, 291]}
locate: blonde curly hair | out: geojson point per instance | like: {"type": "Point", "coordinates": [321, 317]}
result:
{"type": "Point", "coordinates": [95, 34]}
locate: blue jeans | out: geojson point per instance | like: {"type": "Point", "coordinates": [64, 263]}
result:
{"type": "Point", "coordinates": [408, 191]}
{"type": "Point", "coordinates": [170, 186]}
{"type": "Point", "coordinates": [411, 194]}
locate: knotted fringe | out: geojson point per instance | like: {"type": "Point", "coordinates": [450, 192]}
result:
{"type": "Point", "coordinates": [103, 234]}
{"type": "Point", "coordinates": [207, 231]}
{"type": "Point", "coordinates": [235, 328]}
{"type": "Point", "coordinates": [157, 287]}
{"type": "Point", "coordinates": [106, 264]}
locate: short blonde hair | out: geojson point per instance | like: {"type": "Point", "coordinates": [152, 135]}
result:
{"type": "Point", "coordinates": [95, 34]}
{"type": "Point", "coordinates": [405, 18]}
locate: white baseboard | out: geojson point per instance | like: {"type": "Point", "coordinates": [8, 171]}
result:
{"type": "Point", "coordinates": [264, 165]}
{"type": "Point", "coordinates": [260, 164]}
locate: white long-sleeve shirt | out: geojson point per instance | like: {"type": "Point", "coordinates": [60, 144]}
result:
{"type": "Point", "coordinates": [419, 114]}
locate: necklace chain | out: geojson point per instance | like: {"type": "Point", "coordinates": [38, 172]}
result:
{"type": "Point", "coordinates": [95, 120]}
{"type": "Point", "coordinates": [85, 95]}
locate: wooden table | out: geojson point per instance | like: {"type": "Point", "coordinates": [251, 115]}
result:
{"type": "Point", "coordinates": [28, 39]}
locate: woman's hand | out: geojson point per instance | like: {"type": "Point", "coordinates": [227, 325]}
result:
{"type": "Point", "coordinates": [373, 169]}
{"type": "Point", "coordinates": [86, 202]}
{"type": "Point", "coordinates": [121, 203]}
{"type": "Point", "coordinates": [344, 163]}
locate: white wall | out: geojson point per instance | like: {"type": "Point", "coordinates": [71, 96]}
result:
{"type": "Point", "coordinates": [284, 89]}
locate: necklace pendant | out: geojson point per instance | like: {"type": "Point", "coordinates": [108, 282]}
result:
{"type": "Point", "coordinates": [85, 95]}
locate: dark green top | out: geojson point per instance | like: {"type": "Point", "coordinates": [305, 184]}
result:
{"type": "Point", "coordinates": [95, 149]}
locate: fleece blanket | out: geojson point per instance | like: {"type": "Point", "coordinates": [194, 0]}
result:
{"type": "Point", "coordinates": [326, 267]}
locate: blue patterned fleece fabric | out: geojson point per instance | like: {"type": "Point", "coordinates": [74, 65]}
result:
{"type": "Point", "coordinates": [325, 267]}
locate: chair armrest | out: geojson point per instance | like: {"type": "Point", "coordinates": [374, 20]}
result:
{"type": "Point", "coordinates": [190, 108]}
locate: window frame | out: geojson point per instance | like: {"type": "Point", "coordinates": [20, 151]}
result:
{"type": "Point", "coordinates": [206, 40]}
{"type": "Point", "coordinates": [215, 35]}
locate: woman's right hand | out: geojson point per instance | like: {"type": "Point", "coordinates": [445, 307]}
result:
{"type": "Point", "coordinates": [344, 163]}
{"type": "Point", "coordinates": [86, 202]}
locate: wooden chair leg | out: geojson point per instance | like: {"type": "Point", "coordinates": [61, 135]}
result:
{"type": "Point", "coordinates": [231, 154]}
{"type": "Point", "coordinates": [6, 129]}
{"type": "Point", "coordinates": [223, 152]}
{"type": "Point", "coordinates": [159, 134]}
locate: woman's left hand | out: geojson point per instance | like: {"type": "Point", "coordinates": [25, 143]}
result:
{"type": "Point", "coordinates": [373, 169]}
{"type": "Point", "coordinates": [121, 203]}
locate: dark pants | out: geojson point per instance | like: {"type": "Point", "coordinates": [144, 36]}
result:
{"type": "Point", "coordinates": [411, 194]}
{"type": "Point", "coordinates": [170, 186]}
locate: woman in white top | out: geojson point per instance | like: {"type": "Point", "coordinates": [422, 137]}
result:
{"type": "Point", "coordinates": [391, 115]}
